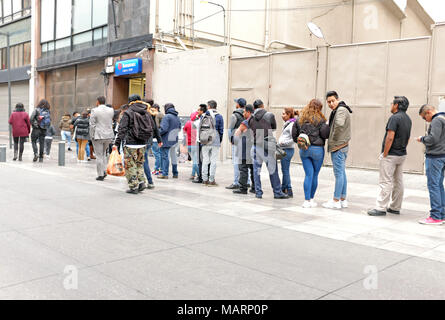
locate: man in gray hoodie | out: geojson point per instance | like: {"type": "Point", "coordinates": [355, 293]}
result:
{"type": "Point", "coordinates": [434, 142]}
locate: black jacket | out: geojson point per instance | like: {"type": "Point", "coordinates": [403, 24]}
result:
{"type": "Point", "coordinates": [125, 133]}
{"type": "Point", "coordinates": [318, 133]}
{"type": "Point", "coordinates": [82, 127]}
{"type": "Point", "coordinates": [260, 125]}
{"type": "Point", "coordinates": [156, 134]}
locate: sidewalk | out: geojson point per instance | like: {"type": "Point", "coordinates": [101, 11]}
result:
{"type": "Point", "coordinates": [203, 213]}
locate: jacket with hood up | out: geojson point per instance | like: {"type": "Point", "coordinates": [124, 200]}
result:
{"type": "Point", "coordinates": [235, 121]}
{"type": "Point", "coordinates": [170, 126]}
{"type": "Point", "coordinates": [65, 123]}
{"type": "Point", "coordinates": [261, 126]}
{"type": "Point", "coordinates": [434, 141]}
{"type": "Point", "coordinates": [189, 131]}
{"type": "Point", "coordinates": [126, 124]}
{"type": "Point", "coordinates": [340, 125]}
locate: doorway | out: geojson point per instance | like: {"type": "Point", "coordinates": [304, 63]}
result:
{"type": "Point", "coordinates": [137, 86]}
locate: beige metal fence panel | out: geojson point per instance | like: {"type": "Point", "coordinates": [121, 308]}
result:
{"type": "Point", "coordinates": [437, 89]}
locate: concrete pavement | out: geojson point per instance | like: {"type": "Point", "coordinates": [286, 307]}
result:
{"type": "Point", "coordinates": [66, 236]}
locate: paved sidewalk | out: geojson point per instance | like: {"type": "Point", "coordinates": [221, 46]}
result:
{"type": "Point", "coordinates": [187, 241]}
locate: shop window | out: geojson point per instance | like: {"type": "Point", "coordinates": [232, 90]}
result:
{"type": "Point", "coordinates": [63, 19]}
{"type": "Point", "coordinates": [47, 20]}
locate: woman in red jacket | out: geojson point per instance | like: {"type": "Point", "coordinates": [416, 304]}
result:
{"type": "Point", "coordinates": [21, 127]}
{"type": "Point", "coordinates": [190, 132]}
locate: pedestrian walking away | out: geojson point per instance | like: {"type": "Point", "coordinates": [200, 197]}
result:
{"type": "Point", "coordinates": [65, 127]}
{"type": "Point", "coordinates": [262, 124]}
{"type": "Point", "coordinates": [392, 158]}
{"type": "Point", "coordinates": [236, 119]}
{"type": "Point", "coordinates": [101, 134]}
{"type": "Point", "coordinates": [82, 127]}
{"type": "Point", "coordinates": [434, 143]}
{"type": "Point", "coordinates": [21, 126]}
{"type": "Point", "coordinates": [135, 129]}
{"type": "Point", "coordinates": [243, 139]}
{"type": "Point", "coordinates": [40, 121]}
{"type": "Point", "coordinates": [287, 143]}
{"type": "Point", "coordinates": [310, 132]}
{"type": "Point", "coordinates": [50, 132]}
{"type": "Point", "coordinates": [338, 146]}
{"type": "Point", "coordinates": [169, 129]}
{"type": "Point", "coordinates": [211, 131]}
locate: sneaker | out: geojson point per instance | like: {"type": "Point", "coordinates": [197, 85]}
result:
{"type": "Point", "coordinates": [313, 203]}
{"type": "Point", "coordinates": [239, 191]}
{"type": "Point", "coordinates": [344, 203]}
{"type": "Point", "coordinates": [69, 149]}
{"type": "Point", "coordinates": [132, 191]}
{"type": "Point", "coordinates": [259, 196]}
{"type": "Point", "coordinates": [389, 210]}
{"type": "Point", "coordinates": [376, 213]}
{"type": "Point", "coordinates": [154, 172]}
{"type": "Point", "coordinates": [197, 181]}
{"type": "Point", "coordinates": [251, 190]}
{"type": "Point", "coordinates": [331, 204]}
{"type": "Point", "coordinates": [431, 221]}
{"type": "Point", "coordinates": [281, 196]}
{"type": "Point", "coordinates": [142, 187]}
{"type": "Point", "coordinates": [162, 177]}
{"type": "Point", "coordinates": [307, 205]}
{"type": "Point", "coordinates": [89, 159]}
{"type": "Point", "coordinates": [175, 177]}
{"type": "Point", "coordinates": [206, 183]}
{"type": "Point", "coordinates": [212, 184]}
{"type": "Point", "coordinates": [100, 178]}
{"type": "Point", "coordinates": [150, 186]}
{"type": "Point", "coordinates": [232, 187]}
{"type": "Point", "coordinates": [35, 158]}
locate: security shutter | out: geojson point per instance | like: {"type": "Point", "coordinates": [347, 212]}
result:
{"type": "Point", "coordinates": [19, 93]}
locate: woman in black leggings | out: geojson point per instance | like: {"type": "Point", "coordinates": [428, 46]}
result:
{"type": "Point", "coordinates": [21, 127]}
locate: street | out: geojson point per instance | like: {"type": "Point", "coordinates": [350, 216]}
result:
{"type": "Point", "coordinates": [66, 236]}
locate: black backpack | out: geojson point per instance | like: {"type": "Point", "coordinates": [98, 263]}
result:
{"type": "Point", "coordinates": [142, 126]}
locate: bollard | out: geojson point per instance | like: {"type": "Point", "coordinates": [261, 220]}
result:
{"type": "Point", "coordinates": [61, 153]}
{"type": "Point", "coordinates": [3, 153]}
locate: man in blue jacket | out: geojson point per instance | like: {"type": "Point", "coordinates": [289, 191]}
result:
{"type": "Point", "coordinates": [170, 127]}
{"type": "Point", "coordinates": [210, 148]}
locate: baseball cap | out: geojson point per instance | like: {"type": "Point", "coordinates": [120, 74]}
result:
{"type": "Point", "coordinates": [241, 101]}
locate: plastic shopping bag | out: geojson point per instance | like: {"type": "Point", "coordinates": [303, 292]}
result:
{"type": "Point", "coordinates": [115, 165]}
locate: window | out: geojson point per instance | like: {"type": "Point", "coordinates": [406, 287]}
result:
{"type": "Point", "coordinates": [63, 19]}
{"type": "Point", "coordinates": [47, 21]}
{"type": "Point", "coordinates": [100, 13]}
{"type": "Point", "coordinates": [17, 8]}
{"type": "Point", "coordinates": [20, 56]}
{"type": "Point", "coordinates": [82, 15]}
{"type": "Point", "coordinates": [27, 53]}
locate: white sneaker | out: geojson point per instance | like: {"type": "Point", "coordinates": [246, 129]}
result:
{"type": "Point", "coordinates": [307, 204]}
{"type": "Point", "coordinates": [331, 204]}
{"type": "Point", "coordinates": [344, 203]}
{"type": "Point", "coordinates": [313, 203]}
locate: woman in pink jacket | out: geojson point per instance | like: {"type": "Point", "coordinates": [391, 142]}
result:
{"type": "Point", "coordinates": [21, 127]}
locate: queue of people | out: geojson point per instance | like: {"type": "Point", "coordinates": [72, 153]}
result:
{"type": "Point", "coordinates": [139, 127]}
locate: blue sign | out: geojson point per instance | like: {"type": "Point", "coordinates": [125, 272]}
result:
{"type": "Point", "coordinates": [130, 66]}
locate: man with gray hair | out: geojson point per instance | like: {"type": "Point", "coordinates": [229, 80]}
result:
{"type": "Point", "coordinates": [392, 158]}
{"type": "Point", "coordinates": [434, 142]}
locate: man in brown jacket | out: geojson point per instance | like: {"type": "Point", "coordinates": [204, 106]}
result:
{"type": "Point", "coordinates": [65, 127]}
{"type": "Point", "coordinates": [338, 146]}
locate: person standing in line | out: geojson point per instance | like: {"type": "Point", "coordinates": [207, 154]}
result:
{"type": "Point", "coordinates": [65, 127]}
{"type": "Point", "coordinates": [101, 133]}
{"type": "Point", "coordinates": [21, 127]}
{"type": "Point", "coordinates": [236, 119]}
{"type": "Point", "coordinates": [243, 139]}
{"type": "Point", "coordinates": [392, 158]}
{"type": "Point", "coordinates": [40, 121]}
{"type": "Point", "coordinates": [263, 124]}
{"type": "Point", "coordinates": [338, 146]}
{"type": "Point", "coordinates": [135, 129]}
{"type": "Point", "coordinates": [150, 142]}
{"type": "Point", "coordinates": [434, 143]}
{"type": "Point", "coordinates": [50, 132]}
{"type": "Point", "coordinates": [82, 126]}
{"type": "Point", "coordinates": [212, 128]}
{"type": "Point", "coordinates": [311, 128]}
{"type": "Point", "coordinates": [201, 112]}
{"type": "Point", "coordinates": [76, 116]}
{"type": "Point", "coordinates": [90, 142]}
{"type": "Point", "coordinates": [170, 127]}
{"type": "Point", "coordinates": [287, 143]}
{"type": "Point", "coordinates": [157, 115]}
{"type": "Point", "coordinates": [190, 133]}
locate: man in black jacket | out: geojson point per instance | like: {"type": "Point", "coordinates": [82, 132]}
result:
{"type": "Point", "coordinates": [134, 146]}
{"type": "Point", "coordinates": [38, 129]}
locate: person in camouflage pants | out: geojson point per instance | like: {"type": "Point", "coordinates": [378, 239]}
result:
{"type": "Point", "coordinates": [134, 166]}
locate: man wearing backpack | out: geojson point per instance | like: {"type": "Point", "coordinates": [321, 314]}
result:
{"type": "Point", "coordinates": [40, 121]}
{"type": "Point", "coordinates": [235, 121]}
{"type": "Point", "coordinates": [262, 124]}
{"type": "Point", "coordinates": [170, 127]}
{"type": "Point", "coordinates": [101, 133]}
{"type": "Point", "coordinates": [211, 131]}
{"type": "Point", "coordinates": [135, 129]}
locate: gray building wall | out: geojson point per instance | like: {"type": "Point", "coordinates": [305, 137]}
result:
{"type": "Point", "coordinates": [132, 19]}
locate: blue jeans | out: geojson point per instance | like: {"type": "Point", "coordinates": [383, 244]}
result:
{"type": "Point", "coordinates": [193, 150]}
{"type": "Point", "coordinates": [312, 159]}
{"type": "Point", "coordinates": [285, 169]}
{"type": "Point", "coordinates": [339, 164]}
{"type": "Point", "coordinates": [165, 161]}
{"type": "Point", "coordinates": [235, 162]}
{"type": "Point", "coordinates": [157, 153]}
{"type": "Point", "coordinates": [259, 156]}
{"type": "Point", "coordinates": [147, 166]}
{"type": "Point", "coordinates": [435, 168]}
{"type": "Point", "coordinates": [66, 136]}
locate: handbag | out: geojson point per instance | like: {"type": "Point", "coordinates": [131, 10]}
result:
{"type": "Point", "coordinates": [115, 164]}
{"type": "Point", "coordinates": [272, 144]}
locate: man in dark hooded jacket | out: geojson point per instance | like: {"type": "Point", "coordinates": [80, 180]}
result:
{"type": "Point", "coordinates": [169, 129]}
{"type": "Point", "coordinates": [262, 124]}
{"type": "Point", "coordinates": [134, 147]}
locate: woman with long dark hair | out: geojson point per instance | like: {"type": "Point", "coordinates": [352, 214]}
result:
{"type": "Point", "coordinates": [21, 127]}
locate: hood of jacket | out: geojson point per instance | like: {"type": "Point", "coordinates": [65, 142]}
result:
{"type": "Point", "coordinates": [139, 107]}
{"type": "Point", "coordinates": [66, 118]}
{"type": "Point", "coordinates": [239, 111]}
{"type": "Point", "coordinates": [171, 110]}
{"type": "Point", "coordinates": [259, 114]}
{"type": "Point", "coordinates": [439, 114]}
{"type": "Point", "coordinates": [193, 116]}
{"type": "Point", "coordinates": [343, 104]}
